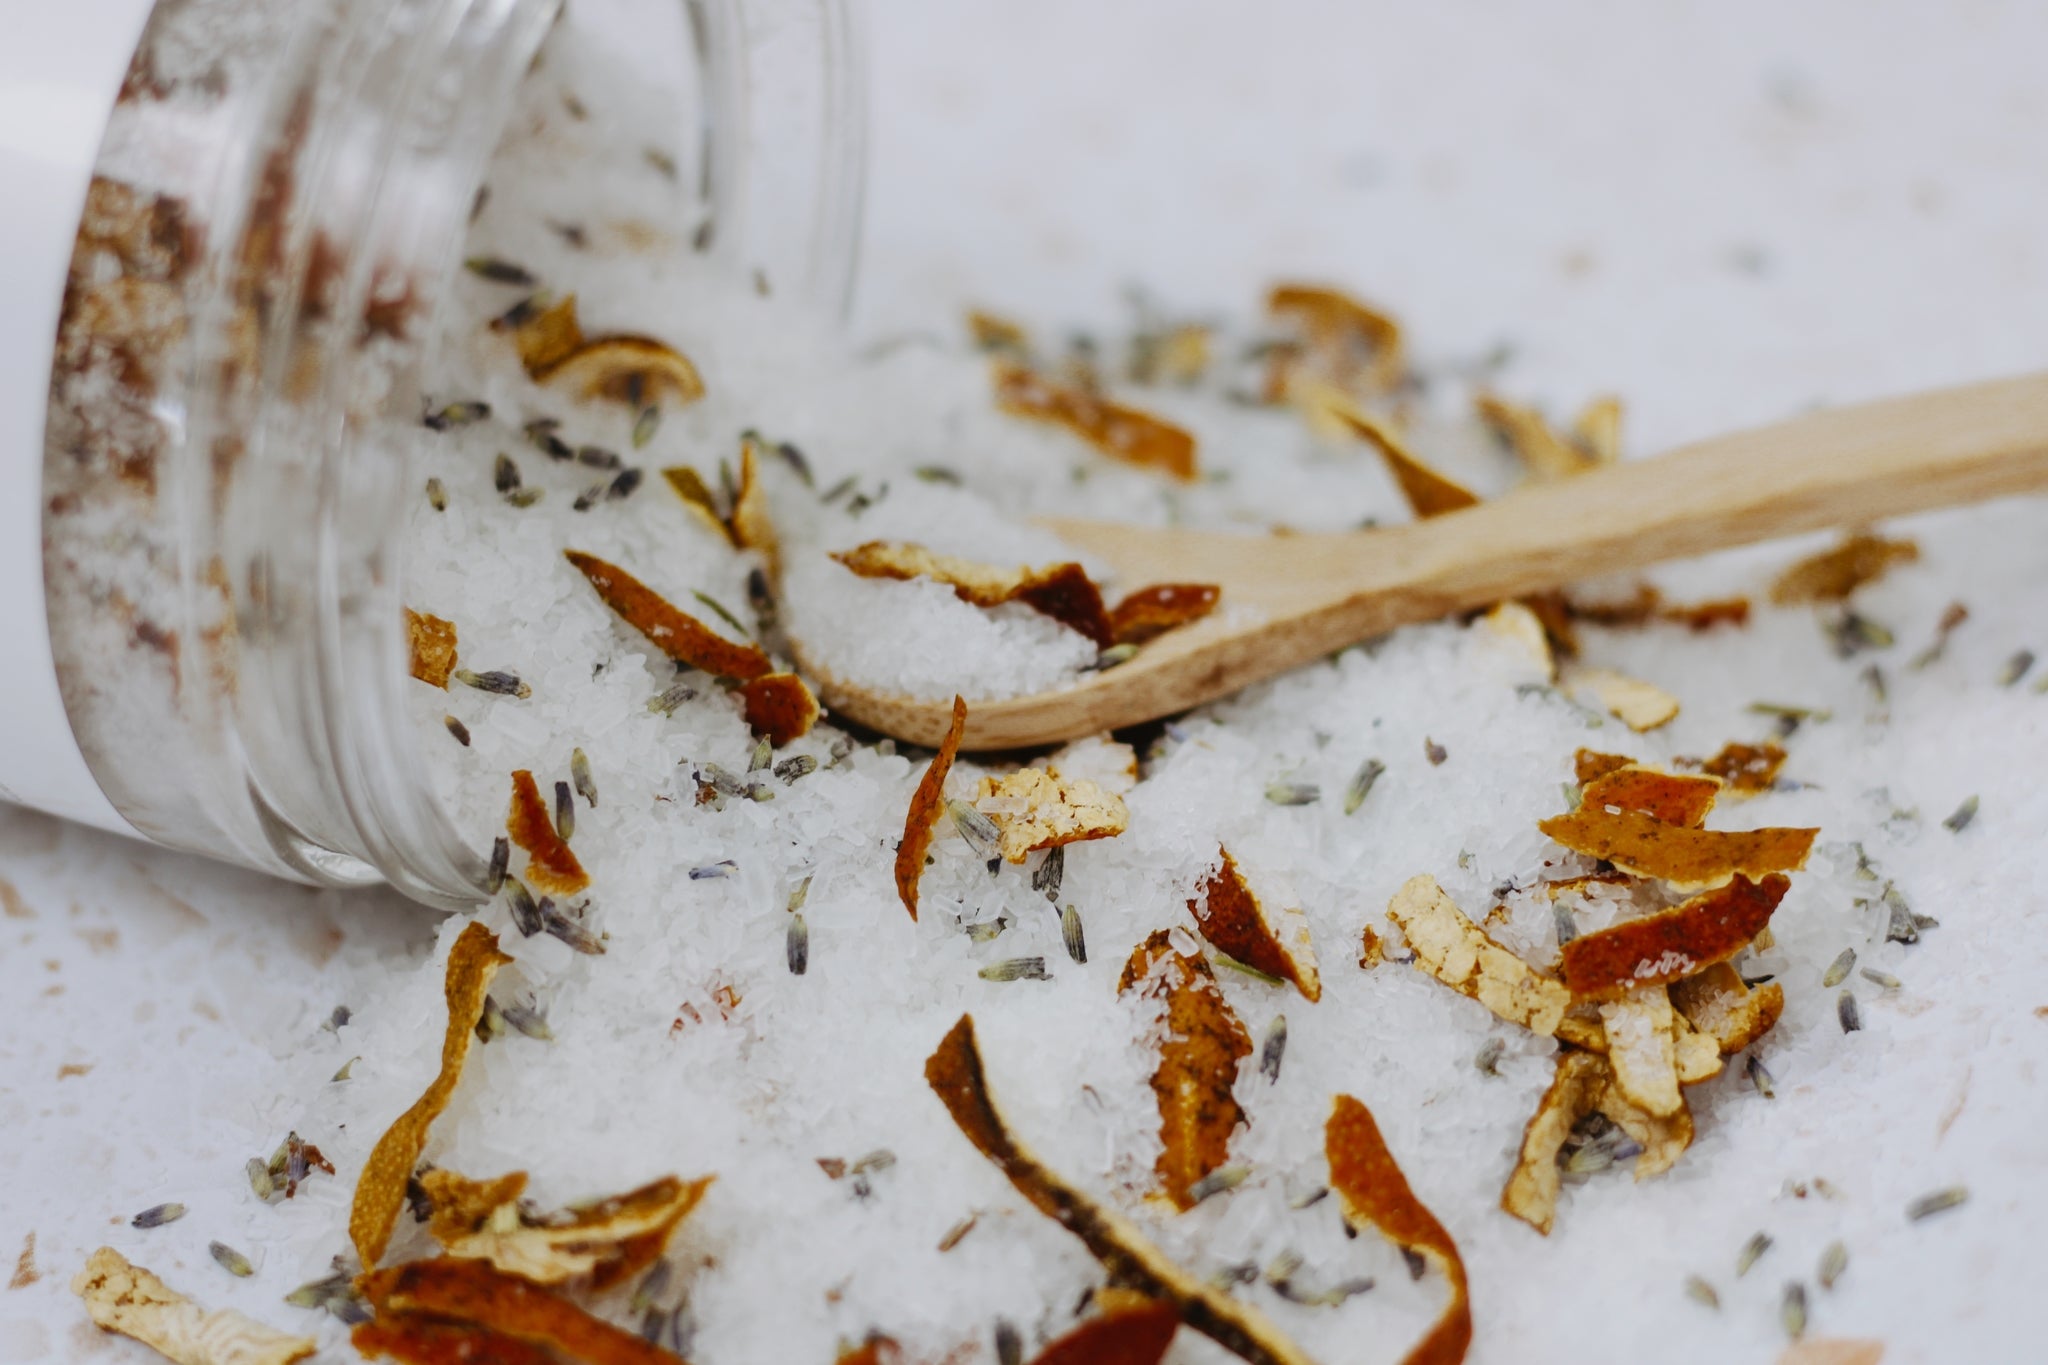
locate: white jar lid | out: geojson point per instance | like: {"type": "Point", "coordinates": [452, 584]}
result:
{"type": "Point", "coordinates": [61, 68]}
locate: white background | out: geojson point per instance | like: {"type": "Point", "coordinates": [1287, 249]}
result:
{"type": "Point", "coordinates": [1723, 211]}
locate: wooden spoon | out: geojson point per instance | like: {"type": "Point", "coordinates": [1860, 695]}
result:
{"type": "Point", "coordinates": [1289, 599]}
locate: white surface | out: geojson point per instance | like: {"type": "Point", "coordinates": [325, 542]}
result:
{"type": "Point", "coordinates": [1884, 161]}
{"type": "Point", "coordinates": [60, 66]}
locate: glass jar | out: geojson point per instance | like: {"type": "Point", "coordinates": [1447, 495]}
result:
{"type": "Point", "coordinates": [233, 406]}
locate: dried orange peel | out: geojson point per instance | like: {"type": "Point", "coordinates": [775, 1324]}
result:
{"type": "Point", "coordinates": [416, 1339]}
{"type": "Point", "coordinates": [1371, 1190]}
{"type": "Point", "coordinates": [1152, 611]}
{"type": "Point", "coordinates": [1036, 809]}
{"type": "Point", "coordinates": [1648, 847]}
{"type": "Point", "coordinates": [1547, 455]}
{"type": "Point", "coordinates": [1352, 343]}
{"type": "Point", "coordinates": [675, 633]}
{"type": "Point", "coordinates": [1532, 1188]}
{"type": "Point", "coordinates": [1062, 591]}
{"type": "Point", "coordinates": [925, 804]}
{"type": "Point", "coordinates": [1722, 1006]}
{"type": "Point", "coordinates": [1194, 1082]}
{"type": "Point", "coordinates": [544, 339]}
{"type": "Point", "coordinates": [752, 525]}
{"type": "Point", "coordinates": [1582, 1084]}
{"type": "Point", "coordinates": [125, 1298]}
{"type": "Point", "coordinates": [1597, 429]}
{"type": "Point", "coordinates": [380, 1191]}
{"type": "Point", "coordinates": [552, 867]}
{"type": "Point", "coordinates": [1640, 706]}
{"type": "Point", "coordinates": [689, 485]}
{"type": "Point", "coordinates": [470, 1291]}
{"type": "Point", "coordinates": [1671, 944]}
{"type": "Point", "coordinates": [1457, 952]}
{"type": "Point", "coordinates": [635, 370]}
{"type": "Point", "coordinates": [1674, 798]}
{"type": "Point", "coordinates": [1275, 942]}
{"type": "Point", "coordinates": [1588, 764]}
{"type": "Point", "coordinates": [1429, 493]}
{"type": "Point", "coordinates": [1124, 434]}
{"type": "Point", "coordinates": [779, 706]}
{"type": "Point", "coordinates": [956, 1075]}
{"type": "Point", "coordinates": [1833, 575]}
{"type": "Point", "coordinates": [606, 1242]}
{"type": "Point", "coordinates": [1642, 1050]}
{"type": "Point", "coordinates": [1136, 1334]}
{"type": "Point", "coordinates": [431, 645]}
{"type": "Point", "coordinates": [1747, 769]}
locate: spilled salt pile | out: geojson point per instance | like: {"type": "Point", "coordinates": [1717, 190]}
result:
{"type": "Point", "coordinates": [740, 993]}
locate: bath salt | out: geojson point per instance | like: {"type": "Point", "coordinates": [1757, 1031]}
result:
{"type": "Point", "coordinates": [739, 993]}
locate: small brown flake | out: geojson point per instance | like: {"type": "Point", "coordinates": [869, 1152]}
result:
{"type": "Point", "coordinates": [432, 644]}
{"type": "Point", "coordinates": [25, 1272]}
{"type": "Point", "coordinates": [923, 815]}
{"type": "Point", "coordinates": [1371, 952]}
{"type": "Point", "coordinates": [1588, 764]}
{"type": "Point", "coordinates": [1198, 1057]}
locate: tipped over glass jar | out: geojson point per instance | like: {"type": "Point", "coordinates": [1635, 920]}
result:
{"type": "Point", "coordinates": [212, 389]}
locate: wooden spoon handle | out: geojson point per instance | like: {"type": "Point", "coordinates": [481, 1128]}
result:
{"type": "Point", "coordinates": [1842, 467]}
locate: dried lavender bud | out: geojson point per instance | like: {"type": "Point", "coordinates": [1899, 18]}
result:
{"type": "Point", "coordinates": [157, 1215]}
